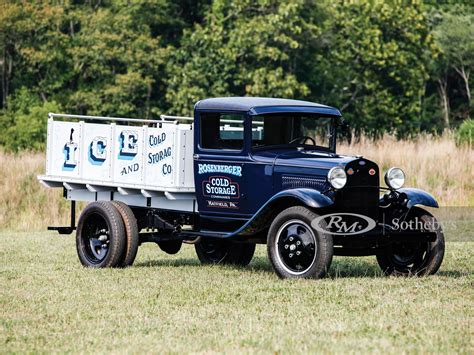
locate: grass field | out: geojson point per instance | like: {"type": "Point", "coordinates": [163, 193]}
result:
{"type": "Point", "coordinates": [49, 303]}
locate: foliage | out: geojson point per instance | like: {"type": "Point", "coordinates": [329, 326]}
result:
{"type": "Point", "coordinates": [465, 133]}
{"type": "Point", "coordinates": [388, 68]}
{"type": "Point", "coordinates": [374, 67]}
{"type": "Point", "coordinates": [247, 48]}
{"type": "Point", "coordinates": [454, 36]}
{"type": "Point", "coordinates": [26, 120]}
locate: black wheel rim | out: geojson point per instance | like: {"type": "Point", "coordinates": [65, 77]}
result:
{"type": "Point", "coordinates": [296, 247]}
{"type": "Point", "coordinates": [95, 238]}
{"type": "Point", "coordinates": [406, 257]}
{"type": "Point", "coordinates": [411, 257]}
{"type": "Point", "coordinates": [214, 250]}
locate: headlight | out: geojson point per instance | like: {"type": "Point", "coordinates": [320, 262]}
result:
{"type": "Point", "coordinates": [337, 177]}
{"type": "Point", "coordinates": [395, 178]}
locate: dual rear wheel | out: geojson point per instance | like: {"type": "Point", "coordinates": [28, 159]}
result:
{"type": "Point", "coordinates": [107, 235]}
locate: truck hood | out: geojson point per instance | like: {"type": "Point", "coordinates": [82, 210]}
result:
{"type": "Point", "coordinates": [314, 159]}
{"type": "Point", "coordinates": [309, 169]}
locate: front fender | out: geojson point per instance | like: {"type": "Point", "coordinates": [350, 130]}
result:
{"type": "Point", "coordinates": [419, 197]}
{"type": "Point", "coordinates": [308, 197]}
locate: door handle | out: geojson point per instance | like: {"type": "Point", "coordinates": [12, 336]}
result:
{"type": "Point", "coordinates": [195, 156]}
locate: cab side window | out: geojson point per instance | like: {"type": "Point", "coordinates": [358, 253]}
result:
{"type": "Point", "coordinates": [222, 131]}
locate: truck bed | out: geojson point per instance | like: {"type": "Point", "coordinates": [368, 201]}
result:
{"type": "Point", "coordinates": [136, 160]}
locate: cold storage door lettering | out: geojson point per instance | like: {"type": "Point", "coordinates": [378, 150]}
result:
{"type": "Point", "coordinates": [221, 187]}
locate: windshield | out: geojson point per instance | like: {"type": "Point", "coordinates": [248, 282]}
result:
{"type": "Point", "coordinates": [292, 129]}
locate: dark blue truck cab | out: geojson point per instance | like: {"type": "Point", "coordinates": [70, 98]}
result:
{"type": "Point", "coordinates": [266, 171]}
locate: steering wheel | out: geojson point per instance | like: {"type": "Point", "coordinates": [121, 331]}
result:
{"type": "Point", "coordinates": [302, 139]}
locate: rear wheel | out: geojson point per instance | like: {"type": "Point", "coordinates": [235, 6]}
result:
{"type": "Point", "coordinates": [220, 251]}
{"type": "Point", "coordinates": [295, 249]}
{"type": "Point", "coordinates": [131, 233]}
{"type": "Point", "coordinates": [419, 259]}
{"type": "Point", "coordinates": [100, 238]}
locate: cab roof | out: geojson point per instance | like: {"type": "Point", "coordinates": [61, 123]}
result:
{"type": "Point", "coordinates": [263, 105]}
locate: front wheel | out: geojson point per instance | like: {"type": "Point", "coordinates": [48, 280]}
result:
{"type": "Point", "coordinates": [419, 259]}
{"type": "Point", "coordinates": [295, 249]}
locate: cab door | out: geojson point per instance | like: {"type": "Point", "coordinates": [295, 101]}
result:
{"type": "Point", "coordinates": [220, 159]}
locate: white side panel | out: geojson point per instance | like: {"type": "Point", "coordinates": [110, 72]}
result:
{"type": "Point", "coordinates": [65, 149]}
{"type": "Point", "coordinates": [184, 164]}
{"type": "Point", "coordinates": [97, 152]}
{"type": "Point", "coordinates": [160, 156]}
{"type": "Point", "coordinates": [49, 144]}
{"type": "Point", "coordinates": [180, 156]}
{"type": "Point", "coordinates": [128, 154]}
{"type": "Point", "coordinates": [189, 160]}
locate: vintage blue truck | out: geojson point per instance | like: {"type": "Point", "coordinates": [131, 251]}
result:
{"type": "Point", "coordinates": [242, 171]}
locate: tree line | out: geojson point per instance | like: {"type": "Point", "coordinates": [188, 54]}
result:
{"type": "Point", "coordinates": [390, 66]}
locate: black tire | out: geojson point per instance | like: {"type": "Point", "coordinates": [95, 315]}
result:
{"type": "Point", "coordinates": [407, 259]}
{"type": "Point", "coordinates": [170, 246]}
{"type": "Point", "coordinates": [131, 233]}
{"type": "Point", "coordinates": [100, 238]}
{"type": "Point", "coordinates": [295, 248]}
{"type": "Point", "coordinates": [221, 251]}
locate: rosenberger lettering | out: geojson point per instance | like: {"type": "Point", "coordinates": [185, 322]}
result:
{"type": "Point", "coordinates": [226, 169]}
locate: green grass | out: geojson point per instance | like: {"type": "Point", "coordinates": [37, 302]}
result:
{"type": "Point", "coordinates": [49, 303]}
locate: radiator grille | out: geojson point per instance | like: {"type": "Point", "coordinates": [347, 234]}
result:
{"type": "Point", "coordinates": [361, 193]}
{"type": "Point", "coordinates": [292, 182]}
{"type": "Point", "coordinates": [362, 199]}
